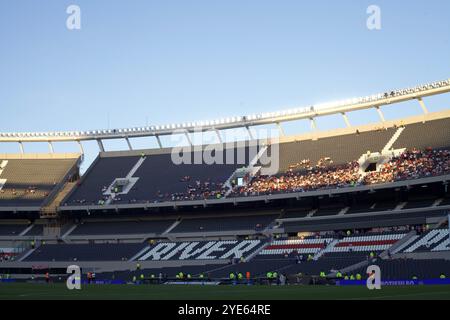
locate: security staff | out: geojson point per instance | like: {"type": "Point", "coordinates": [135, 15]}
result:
{"type": "Point", "coordinates": [358, 276]}
{"type": "Point", "coordinates": [338, 274]}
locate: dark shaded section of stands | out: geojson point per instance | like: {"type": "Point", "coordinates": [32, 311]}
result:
{"type": "Point", "coordinates": [362, 222]}
{"type": "Point", "coordinates": [122, 227]}
{"type": "Point", "coordinates": [327, 263]}
{"type": "Point", "coordinates": [224, 223]}
{"type": "Point", "coordinates": [37, 230]}
{"type": "Point", "coordinates": [406, 269]}
{"type": "Point", "coordinates": [159, 174]}
{"type": "Point", "coordinates": [159, 177]}
{"type": "Point", "coordinates": [85, 252]}
{"type": "Point", "coordinates": [12, 229]}
{"type": "Point", "coordinates": [432, 134]}
{"type": "Point", "coordinates": [102, 173]}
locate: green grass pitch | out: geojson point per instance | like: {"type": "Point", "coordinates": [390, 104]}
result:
{"type": "Point", "coordinates": [191, 292]}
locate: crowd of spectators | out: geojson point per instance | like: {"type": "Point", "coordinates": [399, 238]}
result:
{"type": "Point", "coordinates": [412, 164]}
{"type": "Point", "coordinates": [321, 176]}
{"type": "Point", "coordinates": [304, 176]}
{"type": "Point", "coordinates": [196, 190]}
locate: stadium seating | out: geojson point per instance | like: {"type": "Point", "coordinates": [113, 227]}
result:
{"type": "Point", "coordinates": [12, 229]}
{"type": "Point", "coordinates": [28, 182]}
{"type": "Point", "coordinates": [85, 252]}
{"type": "Point", "coordinates": [409, 269]}
{"type": "Point", "coordinates": [159, 178]}
{"type": "Point", "coordinates": [280, 248]}
{"type": "Point", "coordinates": [124, 227]}
{"type": "Point", "coordinates": [200, 250]}
{"type": "Point", "coordinates": [221, 223]}
{"type": "Point", "coordinates": [367, 243]}
{"type": "Point", "coordinates": [101, 174]}
{"type": "Point", "coordinates": [431, 134]}
{"type": "Point", "coordinates": [432, 241]}
{"type": "Point", "coordinates": [341, 149]}
{"type": "Point", "coordinates": [36, 230]}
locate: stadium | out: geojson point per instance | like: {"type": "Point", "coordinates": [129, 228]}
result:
{"type": "Point", "coordinates": [337, 202]}
{"type": "Point", "coordinates": [239, 152]}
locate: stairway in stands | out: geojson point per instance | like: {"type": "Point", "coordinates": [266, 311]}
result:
{"type": "Point", "coordinates": [51, 209]}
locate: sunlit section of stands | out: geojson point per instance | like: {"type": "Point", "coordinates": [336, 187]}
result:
{"type": "Point", "coordinates": [29, 182]}
{"type": "Point", "coordinates": [431, 134]}
{"type": "Point", "coordinates": [341, 149]}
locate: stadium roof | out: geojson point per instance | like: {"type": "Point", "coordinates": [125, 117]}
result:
{"type": "Point", "coordinates": [310, 112]}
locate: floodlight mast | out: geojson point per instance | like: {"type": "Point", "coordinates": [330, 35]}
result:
{"type": "Point", "coordinates": [246, 122]}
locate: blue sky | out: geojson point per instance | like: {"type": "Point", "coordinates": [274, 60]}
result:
{"type": "Point", "coordinates": [155, 62]}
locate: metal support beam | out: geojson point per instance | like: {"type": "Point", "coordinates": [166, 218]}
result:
{"type": "Point", "coordinates": [249, 133]}
{"type": "Point", "coordinates": [22, 151]}
{"type": "Point", "coordinates": [100, 145]}
{"type": "Point", "coordinates": [159, 142]}
{"type": "Point", "coordinates": [129, 144]}
{"type": "Point", "coordinates": [381, 114]}
{"type": "Point", "coordinates": [422, 105]}
{"type": "Point", "coordinates": [347, 122]}
{"type": "Point", "coordinates": [50, 146]}
{"type": "Point", "coordinates": [81, 147]}
{"type": "Point", "coordinates": [313, 124]}
{"type": "Point", "coordinates": [280, 130]}
{"type": "Point", "coordinates": [188, 138]}
{"type": "Point", "coordinates": [219, 136]}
